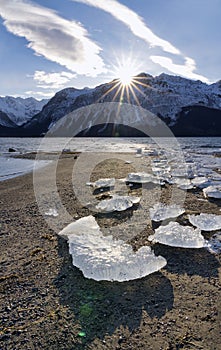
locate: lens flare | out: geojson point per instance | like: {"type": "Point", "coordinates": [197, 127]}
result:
{"type": "Point", "coordinates": [124, 71]}
{"type": "Point", "coordinates": [125, 76]}
{"type": "Point", "coordinates": [128, 83]}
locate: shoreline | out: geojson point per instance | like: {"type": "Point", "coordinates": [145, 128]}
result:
{"type": "Point", "coordinates": [48, 304]}
{"type": "Point", "coordinates": [33, 162]}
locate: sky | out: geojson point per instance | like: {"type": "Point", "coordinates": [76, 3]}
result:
{"type": "Point", "coordinates": [48, 45]}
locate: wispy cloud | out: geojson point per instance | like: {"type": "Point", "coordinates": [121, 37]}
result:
{"type": "Point", "coordinates": [138, 27]}
{"type": "Point", "coordinates": [52, 80]}
{"type": "Point", "coordinates": [133, 21]}
{"type": "Point", "coordinates": [186, 69]}
{"type": "Point", "coordinates": [53, 37]}
{"type": "Point", "coordinates": [39, 94]}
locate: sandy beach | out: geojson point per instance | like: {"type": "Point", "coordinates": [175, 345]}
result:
{"type": "Point", "coordinates": [46, 303]}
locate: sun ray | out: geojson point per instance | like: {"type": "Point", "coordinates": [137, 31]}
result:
{"type": "Point", "coordinates": [117, 93]}
{"type": "Point", "coordinates": [126, 86]}
{"type": "Point", "coordinates": [121, 97]}
{"type": "Point", "coordinates": [137, 88]}
{"type": "Point", "coordinates": [136, 80]}
{"type": "Point", "coordinates": [109, 91]}
{"type": "Point", "coordinates": [128, 93]}
{"type": "Point", "coordinates": [134, 95]}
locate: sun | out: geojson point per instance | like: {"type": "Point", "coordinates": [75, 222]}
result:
{"type": "Point", "coordinates": [124, 72]}
{"type": "Point", "coordinates": [125, 75]}
{"type": "Point", "coordinates": [126, 85]}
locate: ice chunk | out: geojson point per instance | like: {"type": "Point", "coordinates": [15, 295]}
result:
{"type": "Point", "coordinates": [183, 184]}
{"type": "Point", "coordinates": [214, 244]}
{"type": "Point", "coordinates": [161, 211]}
{"type": "Point", "coordinates": [206, 222]}
{"type": "Point", "coordinates": [176, 235]}
{"type": "Point", "coordinates": [139, 150]}
{"type": "Point", "coordinates": [182, 171]}
{"type": "Point", "coordinates": [117, 203]}
{"type": "Point", "coordinates": [52, 212]}
{"type": "Point", "coordinates": [87, 224]}
{"type": "Point", "coordinates": [142, 177]}
{"type": "Point", "coordinates": [151, 153]}
{"type": "Point", "coordinates": [179, 173]}
{"type": "Point", "coordinates": [160, 172]}
{"type": "Point", "coordinates": [212, 192]}
{"type": "Point", "coordinates": [103, 258]}
{"type": "Point", "coordinates": [199, 180]}
{"type": "Point", "coordinates": [205, 184]}
{"type": "Point", "coordinates": [160, 166]}
{"type": "Point", "coordinates": [102, 183]}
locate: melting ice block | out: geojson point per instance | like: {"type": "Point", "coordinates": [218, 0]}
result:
{"type": "Point", "coordinates": [214, 244]}
{"type": "Point", "coordinates": [52, 212]}
{"type": "Point", "coordinates": [212, 192]}
{"type": "Point", "coordinates": [183, 184]}
{"type": "Point", "coordinates": [161, 211]}
{"type": "Point", "coordinates": [117, 203]}
{"type": "Point", "coordinates": [103, 258]}
{"type": "Point", "coordinates": [142, 178]}
{"type": "Point", "coordinates": [200, 181]}
{"type": "Point", "coordinates": [102, 183]}
{"type": "Point", "coordinates": [87, 224]}
{"type": "Point", "coordinates": [176, 235]}
{"type": "Point", "coordinates": [206, 222]}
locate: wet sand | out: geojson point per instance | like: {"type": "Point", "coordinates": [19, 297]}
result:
{"type": "Point", "coordinates": [46, 303]}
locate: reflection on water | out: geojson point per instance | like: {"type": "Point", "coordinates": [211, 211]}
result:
{"type": "Point", "coordinates": [106, 144]}
{"type": "Point", "coordinates": [200, 148]}
{"type": "Point", "coordinates": [11, 167]}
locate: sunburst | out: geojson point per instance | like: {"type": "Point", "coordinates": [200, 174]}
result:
{"type": "Point", "coordinates": [127, 85]}
{"type": "Point", "coordinates": [125, 76]}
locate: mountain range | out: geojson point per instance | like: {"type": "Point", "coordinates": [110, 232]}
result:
{"type": "Point", "coordinates": [188, 107]}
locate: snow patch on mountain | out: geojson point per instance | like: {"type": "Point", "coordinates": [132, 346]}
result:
{"type": "Point", "coordinates": [5, 121]}
{"type": "Point", "coordinates": [167, 94]}
{"type": "Point", "coordinates": [19, 109]}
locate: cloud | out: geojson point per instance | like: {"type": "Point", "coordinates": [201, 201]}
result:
{"type": "Point", "coordinates": [137, 26]}
{"type": "Point", "coordinates": [39, 94]}
{"type": "Point", "coordinates": [53, 37]}
{"type": "Point", "coordinates": [134, 22]}
{"type": "Point", "coordinates": [186, 70]}
{"type": "Point", "coordinates": [52, 80]}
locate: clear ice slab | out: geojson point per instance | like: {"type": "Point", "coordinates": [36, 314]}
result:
{"type": "Point", "coordinates": [176, 235]}
{"type": "Point", "coordinates": [161, 211]}
{"type": "Point", "coordinates": [142, 178]}
{"type": "Point", "coordinates": [117, 203]}
{"type": "Point", "coordinates": [103, 258]}
{"type": "Point", "coordinates": [212, 192]}
{"type": "Point", "coordinates": [103, 183]}
{"type": "Point", "coordinates": [214, 244]}
{"type": "Point", "coordinates": [51, 212]}
{"type": "Point", "coordinates": [200, 181]}
{"type": "Point", "coordinates": [206, 222]}
{"type": "Point", "coordinates": [183, 184]}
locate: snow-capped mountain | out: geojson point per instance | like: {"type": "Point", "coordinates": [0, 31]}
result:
{"type": "Point", "coordinates": [63, 102]}
{"type": "Point", "coordinates": [19, 110]}
{"type": "Point", "coordinates": [189, 108]}
{"type": "Point", "coordinates": [170, 94]}
{"type": "Point", "coordinates": [6, 121]}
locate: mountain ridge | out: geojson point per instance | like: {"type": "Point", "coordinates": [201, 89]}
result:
{"type": "Point", "coordinates": [19, 110]}
{"type": "Point", "coordinates": [174, 99]}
